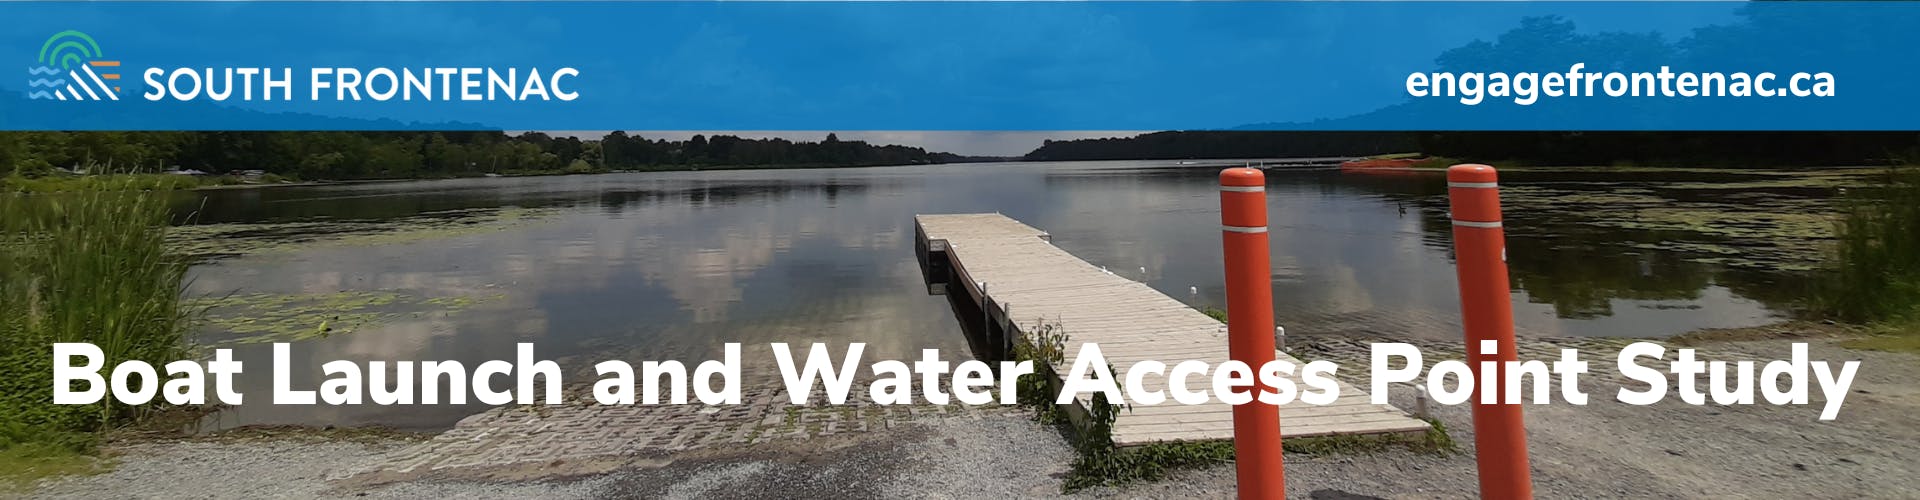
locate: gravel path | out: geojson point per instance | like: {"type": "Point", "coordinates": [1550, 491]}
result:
{"type": "Point", "coordinates": [1602, 450]}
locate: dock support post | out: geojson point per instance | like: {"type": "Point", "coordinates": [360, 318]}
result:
{"type": "Point", "coordinates": [1250, 330]}
{"type": "Point", "coordinates": [1006, 331]}
{"type": "Point", "coordinates": [1486, 312]}
{"type": "Point", "coordinates": [986, 311]}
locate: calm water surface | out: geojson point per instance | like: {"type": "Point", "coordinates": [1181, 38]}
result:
{"type": "Point", "coordinates": [671, 265]}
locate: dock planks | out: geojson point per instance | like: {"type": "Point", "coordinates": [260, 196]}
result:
{"type": "Point", "coordinates": [1029, 281]}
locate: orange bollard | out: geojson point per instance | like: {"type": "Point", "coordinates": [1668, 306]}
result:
{"type": "Point", "coordinates": [1256, 426]}
{"type": "Point", "coordinates": [1486, 312]}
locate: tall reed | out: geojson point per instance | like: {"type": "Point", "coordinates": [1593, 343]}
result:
{"type": "Point", "coordinates": [1874, 273]}
{"type": "Point", "coordinates": [114, 182]}
{"type": "Point", "coordinates": [82, 267]}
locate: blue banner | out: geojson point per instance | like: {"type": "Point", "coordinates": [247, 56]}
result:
{"type": "Point", "coordinates": [959, 65]}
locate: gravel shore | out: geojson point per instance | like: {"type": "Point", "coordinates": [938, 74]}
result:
{"type": "Point", "coordinates": [1608, 449]}
{"type": "Point", "coordinates": [1605, 449]}
{"type": "Point", "coordinates": [995, 456]}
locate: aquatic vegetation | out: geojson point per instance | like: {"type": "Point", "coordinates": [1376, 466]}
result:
{"type": "Point", "coordinates": [1724, 227]}
{"type": "Point", "coordinates": [1730, 222]}
{"type": "Point", "coordinates": [1580, 241]}
{"type": "Point", "coordinates": [1564, 198]}
{"type": "Point", "coordinates": [228, 240]}
{"type": "Point", "coordinates": [263, 317]}
{"type": "Point", "coordinates": [1793, 173]}
{"type": "Point", "coordinates": [1809, 180]}
{"type": "Point", "coordinates": [250, 317]}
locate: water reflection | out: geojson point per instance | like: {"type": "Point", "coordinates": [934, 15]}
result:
{"type": "Point", "coordinates": [672, 265]}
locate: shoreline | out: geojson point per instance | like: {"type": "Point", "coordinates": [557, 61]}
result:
{"type": "Point", "coordinates": [95, 179]}
{"type": "Point", "coordinates": [1428, 164]}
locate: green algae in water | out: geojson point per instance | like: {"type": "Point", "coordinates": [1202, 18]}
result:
{"type": "Point", "coordinates": [228, 240]}
{"type": "Point", "coordinates": [1720, 223]}
{"type": "Point", "coordinates": [262, 317]}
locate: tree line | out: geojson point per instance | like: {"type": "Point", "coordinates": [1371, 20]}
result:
{"type": "Point", "coordinates": [1706, 149]}
{"type": "Point", "coordinates": [388, 155]}
{"type": "Point", "coordinates": [1225, 144]}
{"type": "Point", "coordinates": [1702, 149]}
{"type": "Point", "coordinates": [391, 155]}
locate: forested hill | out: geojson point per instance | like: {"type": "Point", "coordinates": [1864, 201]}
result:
{"type": "Point", "coordinates": [1226, 144]}
{"type": "Point", "coordinates": [394, 155]}
{"type": "Point", "coordinates": [1698, 149]}
{"type": "Point", "coordinates": [1709, 149]}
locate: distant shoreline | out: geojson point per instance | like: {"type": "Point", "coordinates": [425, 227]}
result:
{"type": "Point", "coordinates": [181, 182]}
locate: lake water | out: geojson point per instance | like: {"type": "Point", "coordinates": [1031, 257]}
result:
{"type": "Point", "coordinates": [649, 266]}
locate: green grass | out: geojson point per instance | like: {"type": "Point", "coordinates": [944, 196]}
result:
{"type": "Point", "coordinates": [1891, 336]}
{"type": "Point", "coordinates": [1434, 441]}
{"type": "Point", "coordinates": [1097, 465]}
{"type": "Point", "coordinates": [1909, 343]}
{"type": "Point", "coordinates": [1216, 313]}
{"type": "Point", "coordinates": [80, 267]}
{"type": "Point", "coordinates": [112, 182]}
{"type": "Point", "coordinates": [1115, 466]}
{"type": "Point", "coordinates": [24, 464]}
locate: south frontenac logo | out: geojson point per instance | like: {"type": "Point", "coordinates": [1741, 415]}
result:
{"type": "Point", "coordinates": [70, 67]}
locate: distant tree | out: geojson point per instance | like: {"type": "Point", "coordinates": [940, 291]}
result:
{"type": "Point", "coordinates": [361, 155]}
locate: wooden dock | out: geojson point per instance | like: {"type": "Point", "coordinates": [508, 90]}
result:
{"type": "Point", "coordinates": [1027, 281]}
